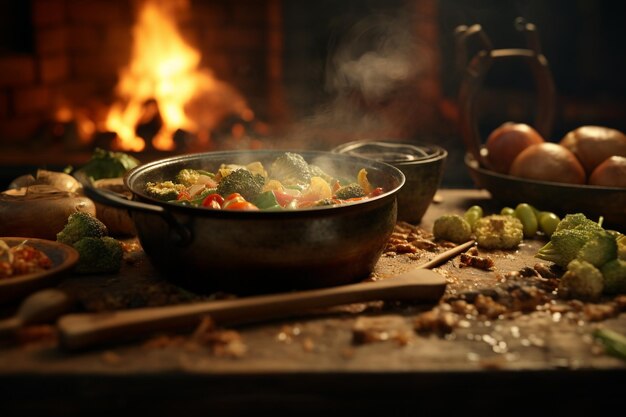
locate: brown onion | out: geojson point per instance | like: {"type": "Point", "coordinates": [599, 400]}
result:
{"type": "Point", "coordinates": [610, 173]}
{"type": "Point", "coordinates": [594, 144]}
{"type": "Point", "coordinates": [548, 162]}
{"type": "Point", "coordinates": [506, 142]}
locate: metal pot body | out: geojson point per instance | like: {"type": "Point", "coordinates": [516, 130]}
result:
{"type": "Point", "coordinates": [265, 251]}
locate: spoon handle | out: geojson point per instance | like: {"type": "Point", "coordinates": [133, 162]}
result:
{"type": "Point", "coordinates": [419, 285]}
{"type": "Point", "coordinates": [81, 330]}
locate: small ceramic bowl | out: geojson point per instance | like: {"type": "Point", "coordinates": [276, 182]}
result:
{"type": "Point", "coordinates": [422, 165]}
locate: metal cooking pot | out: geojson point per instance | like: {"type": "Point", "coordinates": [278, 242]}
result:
{"type": "Point", "coordinates": [260, 251]}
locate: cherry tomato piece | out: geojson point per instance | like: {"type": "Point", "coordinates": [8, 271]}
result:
{"type": "Point", "coordinates": [214, 201]}
{"type": "Point", "coordinates": [241, 205]}
{"type": "Point", "coordinates": [183, 195]}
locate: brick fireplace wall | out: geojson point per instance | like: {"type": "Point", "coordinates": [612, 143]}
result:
{"type": "Point", "coordinates": [78, 47]}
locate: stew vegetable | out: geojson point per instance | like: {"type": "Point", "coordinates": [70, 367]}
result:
{"type": "Point", "coordinates": [288, 183]}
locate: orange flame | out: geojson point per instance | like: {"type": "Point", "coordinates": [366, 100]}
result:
{"type": "Point", "coordinates": [164, 68]}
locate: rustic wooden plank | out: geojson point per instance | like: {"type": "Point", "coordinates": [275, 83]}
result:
{"type": "Point", "coordinates": [309, 359]}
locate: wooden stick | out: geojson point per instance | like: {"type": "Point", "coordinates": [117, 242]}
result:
{"type": "Point", "coordinates": [447, 255]}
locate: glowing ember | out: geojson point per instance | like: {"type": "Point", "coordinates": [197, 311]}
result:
{"type": "Point", "coordinates": [164, 69]}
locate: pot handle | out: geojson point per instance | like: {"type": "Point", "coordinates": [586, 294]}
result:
{"type": "Point", "coordinates": [180, 235]}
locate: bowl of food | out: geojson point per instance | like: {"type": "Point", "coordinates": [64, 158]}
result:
{"type": "Point", "coordinates": [28, 264]}
{"type": "Point", "coordinates": [261, 221]}
{"type": "Point", "coordinates": [422, 165]}
{"type": "Point", "coordinates": [583, 172]}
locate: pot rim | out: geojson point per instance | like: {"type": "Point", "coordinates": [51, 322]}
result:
{"type": "Point", "coordinates": [132, 177]}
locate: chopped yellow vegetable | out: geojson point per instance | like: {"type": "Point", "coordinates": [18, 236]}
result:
{"type": "Point", "coordinates": [363, 181]}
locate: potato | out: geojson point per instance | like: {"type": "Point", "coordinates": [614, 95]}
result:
{"type": "Point", "coordinates": [592, 145]}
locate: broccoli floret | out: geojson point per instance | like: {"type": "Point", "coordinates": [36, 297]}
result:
{"type": "Point", "coordinates": [572, 233]}
{"type": "Point", "coordinates": [164, 191]}
{"type": "Point", "coordinates": [352, 190]}
{"type": "Point", "coordinates": [316, 171]}
{"type": "Point", "coordinates": [108, 164]}
{"type": "Point", "coordinates": [599, 250]}
{"type": "Point", "coordinates": [498, 231]}
{"type": "Point", "coordinates": [241, 181]}
{"type": "Point", "coordinates": [190, 176]}
{"type": "Point", "coordinates": [79, 225]}
{"type": "Point", "coordinates": [571, 221]}
{"type": "Point", "coordinates": [582, 280]}
{"type": "Point", "coordinates": [620, 239]}
{"type": "Point", "coordinates": [291, 169]}
{"type": "Point", "coordinates": [98, 255]}
{"type": "Point", "coordinates": [326, 202]}
{"type": "Point", "coordinates": [614, 274]}
{"type": "Point", "coordinates": [453, 228]}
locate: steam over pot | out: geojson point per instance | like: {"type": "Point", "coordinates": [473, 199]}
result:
{"type": "Point", "coordinates": [260, 251]}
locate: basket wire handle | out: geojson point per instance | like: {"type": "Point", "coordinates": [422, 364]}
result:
{"type": "Point", "coordinates": [476, 70]}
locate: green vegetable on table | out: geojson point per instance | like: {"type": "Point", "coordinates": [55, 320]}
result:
{"type": "Point", "coordinates": [526, 214]}
{"type": "Point", "coordinates": [108, 164]}
{"type": "Point", "coordinates": [498, 231]}
{"type": "Point", "coordinates": [582, 281]}
{"type": "Point", "coordinates": [590, 254]}
{"type": "Point", "coordinates": [80, 225]}
{"type": "Point", "coordinates": [98, 255]}
{"type": "Point", "coordinates": [98, 252]}
{"type": "Point", "coordinates": [614, 343]}
{"type": "Point", "coordinates": [453, 228]}
{"type": "Point", "coordinates": [472, 214]}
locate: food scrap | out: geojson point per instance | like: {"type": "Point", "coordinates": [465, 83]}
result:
{"type": "Point", "coordinates": [471, 258]}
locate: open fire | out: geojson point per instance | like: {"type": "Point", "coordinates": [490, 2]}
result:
{"type": "Point", "coordinates": [163, 89]}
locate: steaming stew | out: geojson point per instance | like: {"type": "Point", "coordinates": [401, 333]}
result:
{"type": "Point", "coordinates": [287, 183]}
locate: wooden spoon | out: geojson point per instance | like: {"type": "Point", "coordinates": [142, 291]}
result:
{"type": "Point", "coordinates": [43, 306]}
{"type": "Point", "coordinates": [86, 329]}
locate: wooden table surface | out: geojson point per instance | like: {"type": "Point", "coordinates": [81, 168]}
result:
{"type": "Point", "coordinates": [543, 361]}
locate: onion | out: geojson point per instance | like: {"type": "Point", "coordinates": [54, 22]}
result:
{"type": "Point", "coordinates": [594, 144]}
{"type": "Point", "coordinates": [506, 142]}
{"type": "Point", "coordinates": [610, 173]}
{"type": "Point", "coordinates": [548, 162]}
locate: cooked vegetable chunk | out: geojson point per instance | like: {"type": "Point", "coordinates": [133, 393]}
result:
{"type": "Point", "coordinates": [353, 190]}
{"type": "Point", "coordinates": [241, 181]}
{"type": "Point", "coordinates": [291, 169]}
{"type": "Point", "coordinates": [164, 191]}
